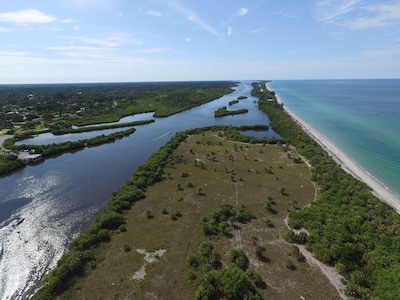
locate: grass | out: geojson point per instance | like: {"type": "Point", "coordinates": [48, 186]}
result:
{"type": "Point", "coordinates": [225, 172]}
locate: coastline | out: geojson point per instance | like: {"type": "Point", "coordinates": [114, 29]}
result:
{"type": "Point", "coordinates": [379, 190]}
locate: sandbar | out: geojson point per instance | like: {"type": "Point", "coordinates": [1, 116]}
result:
{"type": "Point", "coordinates": [379, 190]}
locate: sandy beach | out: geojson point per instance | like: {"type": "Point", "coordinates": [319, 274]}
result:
{"type": "Point", "coordinates": [350, 166]}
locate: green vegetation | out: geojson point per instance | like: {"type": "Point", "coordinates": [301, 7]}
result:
{"type": "Point", "coordinates": [220, 220]}
{"type": "Point", "coordinates": [233, 102]}
{"type": "Point", "coordinates": [227, 283]}
{"type": "Point", "coordinates": [237, 100]}
{"type": "Point", "coordinates": [349, 228]}
{"type": "Point", "coordinates": [54, 149]}
{"type": "Point", "coordinates": [58, 106]}
{"type": "Point", "coordinates": [253, 127]}
{"type": "Point", "coordinates": [9, 163]}
{"type": "Point", "coordinates": [81, 253]}
{"type": "Point", "coordinates": [219, 282]}
{"type": "Point", "coordinates": [96, 128]}
{"type": "Point", "coordinates": [33, 109]}
{"type": "Point", "coordinates": [223, 111]}
{"type": "Point", "coordinates": [183, 271]}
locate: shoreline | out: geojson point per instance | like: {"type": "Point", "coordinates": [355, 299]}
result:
{"type": "Point", "coordinates": [379, 190]}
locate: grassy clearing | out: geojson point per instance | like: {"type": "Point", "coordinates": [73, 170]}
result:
{"type": "Point", "coordinates": [209, 171]}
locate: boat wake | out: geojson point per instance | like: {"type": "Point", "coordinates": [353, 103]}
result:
{"type": "Point", "coordinates": [163, 135]}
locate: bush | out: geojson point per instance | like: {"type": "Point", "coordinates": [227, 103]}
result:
{"type": "Point", "coordinates": [122, 228]}
{"type": "Point", "coordinates": [126, 248]}
{"type": "Point", "coordinates": [227, 283]}
{"type": "Point", "coordinates": [289, 264]}
{"type": "Point", "coordinates": [239, 258]}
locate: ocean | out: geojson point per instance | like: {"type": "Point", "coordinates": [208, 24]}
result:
{"type": "Point", "coordinates": [361, 117]}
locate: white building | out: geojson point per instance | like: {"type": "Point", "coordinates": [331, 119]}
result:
{"type": "Point", "coordinates": [32, 158]}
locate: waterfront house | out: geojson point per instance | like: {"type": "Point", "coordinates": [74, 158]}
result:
{"type": "Point", "coordinates": [32, 158]}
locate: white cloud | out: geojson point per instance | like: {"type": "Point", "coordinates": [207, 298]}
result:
{"type": "Point", "coordinates": [330, 10]}
{"type": "Point", "coordinates": [202, 24]}
{"type": "Point", "coordinates": [191, 16]}
{"type": "Point", "coordinates": [13, 54]}
{"type": "Point", "coordinates": [289, 14]}
{"type": "Point", "coordinates": [69, 20]}
{"type": "Point", "coordinates": [93, 48]}
{"type": "Point", "coordinates": [90, 52]}
{"type": "Point", "coordinates": [153, 50]}
{"type": "Point", "coordinates": [154, 13]}
{"type": "Point", "coordinates": [26, 16]}
{"type": "Point", "coordinates": [243, 11]}
{"type": "Point", "coordinates": [72, 47]}
{"type": "Point", "coordinates": [188, 39]}
{"type": "Point", "coordinates": [111, 41]}
{"type": "Point", "coordinates": [382, 53]}
{"type": "Point", "coordinates": [358, 14]}
{"type": "Point", "coordinates": [99, 4]}
{"type": "Point", "coordinates": [230, 31]}
{"type": "Point", "coordinates": [258, 30]}
{"type": "Point", "coordinates": [5, 29]}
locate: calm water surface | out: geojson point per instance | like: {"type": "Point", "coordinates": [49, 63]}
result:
{"type": "Point", "coordinates": [44, 206]}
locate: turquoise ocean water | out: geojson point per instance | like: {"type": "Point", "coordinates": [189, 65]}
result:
{"type": "Point", "coordinates": [361, 117]}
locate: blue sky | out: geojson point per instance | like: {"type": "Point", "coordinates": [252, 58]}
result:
{"type": "Point", "coordinates": [46, 41]}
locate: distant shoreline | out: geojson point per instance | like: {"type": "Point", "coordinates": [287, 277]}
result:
{"type": "Point", "coordinates": [380, 190]}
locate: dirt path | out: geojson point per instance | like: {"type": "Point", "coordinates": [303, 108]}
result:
{"type": "Point", "coordinates": [333, 276]}
{"type": "Point", "coordinates": [2, 139]}
{"type": "Point", "coordinates": [330, 272]}
{"type": "Point", "coordinates": [238, 233]}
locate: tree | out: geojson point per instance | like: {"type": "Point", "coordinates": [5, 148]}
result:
{"type": "Point", "coordinates": [289, 264]}
{"type": "Point", "coordinates": [239, 258]}
{"type": "Point", "coordinates": [228, 283]}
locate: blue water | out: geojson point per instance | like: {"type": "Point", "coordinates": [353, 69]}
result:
{"type": "Point", "coordinates": [361, 117]}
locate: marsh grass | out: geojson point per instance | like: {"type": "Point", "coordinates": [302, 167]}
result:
{"type": "Point", "coordinates": [225, 172]}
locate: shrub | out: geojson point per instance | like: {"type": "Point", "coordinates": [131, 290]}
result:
{"type": "Point", "coordinates": [126, 248]}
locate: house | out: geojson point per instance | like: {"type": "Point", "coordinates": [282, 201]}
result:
{"type": "Point", "coordinates": [32, 158]}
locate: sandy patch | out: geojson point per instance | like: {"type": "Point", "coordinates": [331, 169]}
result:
{"type": "Point", "coordinates": [149, 257]}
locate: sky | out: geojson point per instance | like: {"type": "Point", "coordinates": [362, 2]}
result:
{"type": "Point", "coordinates": [70, 41]}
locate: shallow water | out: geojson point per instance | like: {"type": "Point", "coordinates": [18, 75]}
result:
{"type": "Point", "coordinates": [361, 117]}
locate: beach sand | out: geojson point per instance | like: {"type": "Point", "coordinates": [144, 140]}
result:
{"type": "Point", "coordinates": [350, 166]}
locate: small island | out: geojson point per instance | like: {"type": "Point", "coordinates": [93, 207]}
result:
{"type": "Point", "coordinates": [233, 102]}
{"type": "Point", "coordinates": [237, 100]}
{"type": "Point", "coordinates": [223, 111]}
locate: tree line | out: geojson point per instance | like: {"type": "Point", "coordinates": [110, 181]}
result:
{"type": "Point", "coordinates": [10, 162]}
{"type": "Point", "coordinates": [62, 105]}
